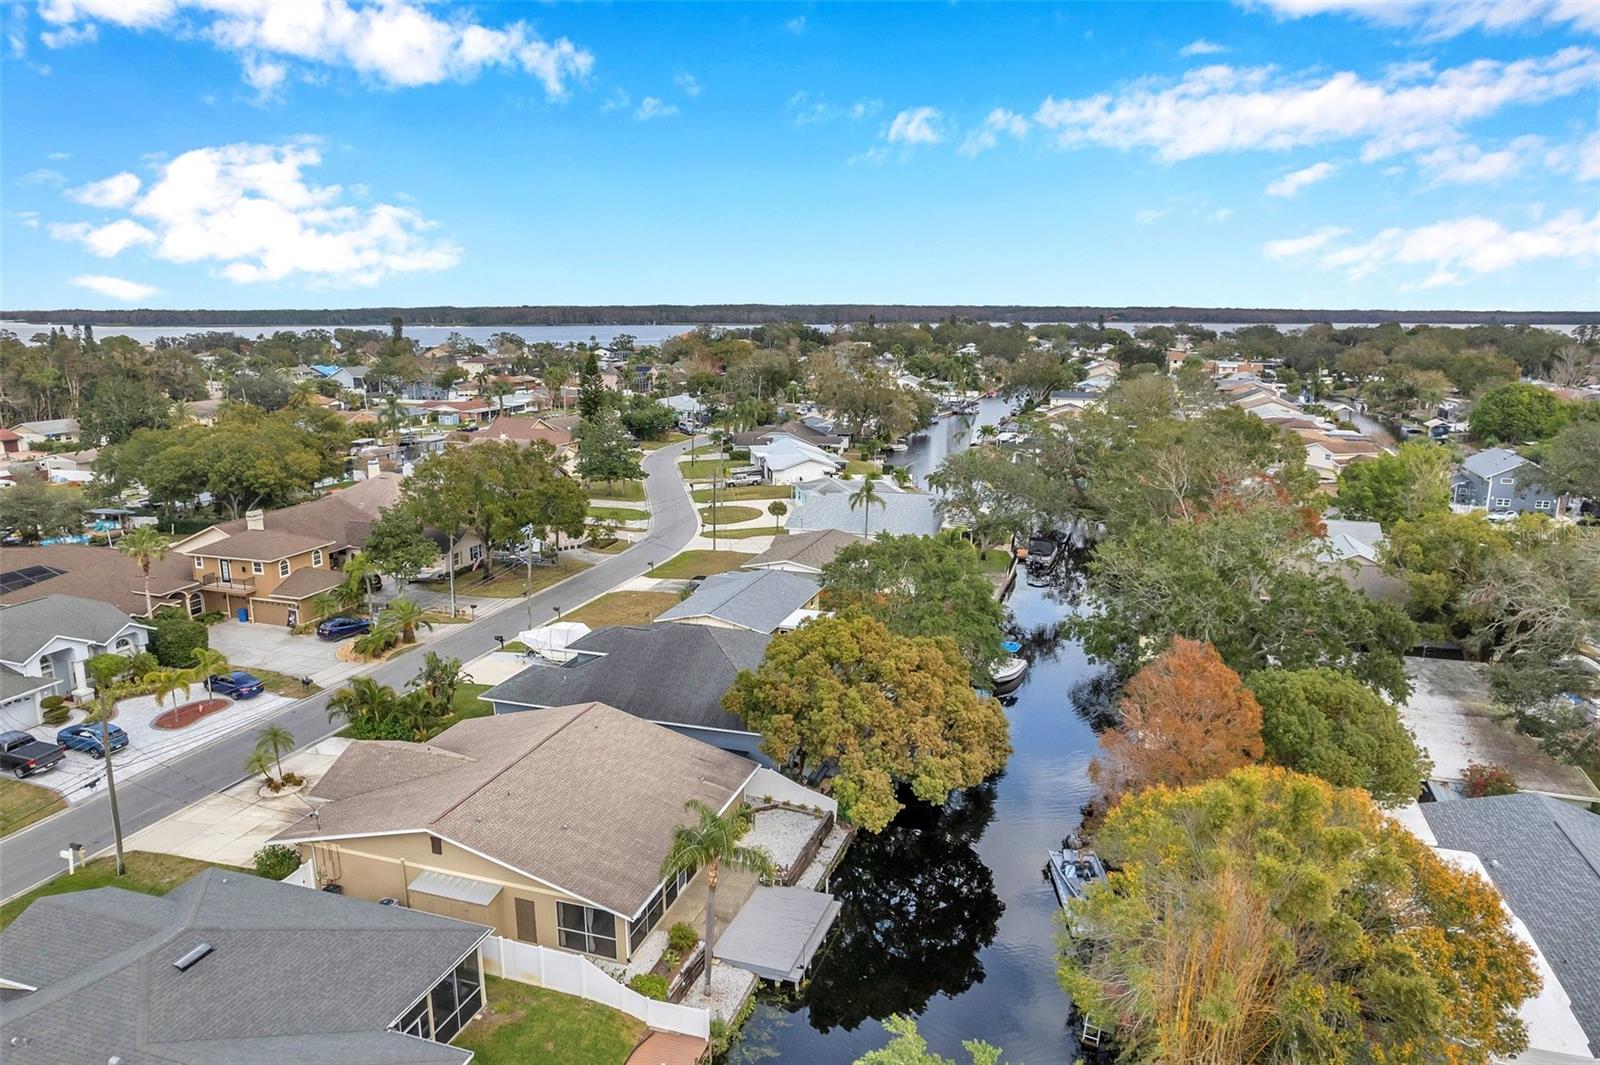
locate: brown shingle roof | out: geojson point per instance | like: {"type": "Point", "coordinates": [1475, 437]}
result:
{"type": "Point", "coordinates": [304, 583]}
{"type": "Point", "coordinates": [102, 573]}
{"type": "Point", "coordinates": [582, 797]}
{"type": "Point", "coordinates": [815, 549]}
{"type": "Point", "coordinates": [263, 545]}
{"type": "Point", "coordinates": [521, 431]}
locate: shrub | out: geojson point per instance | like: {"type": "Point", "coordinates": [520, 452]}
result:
{"type": "Point", "coordinates": [682, 937]}
{"type": "Point", "coordinates": [50, 702]}
{"type": "Point", "coordinates": [55, 715]}
{"type": "Point", "coordinates": [176, 638]}
{"type": "Point", "coordinates": [292, 779]}
{"type": "Point", "coordinates": [276, 861]}
{"type": "Point", "coordinates": [1483, 780]}
{"type": "Point", "coordinates": [650, 985]}
{"type": "Point", "coordinates": [388, 728]}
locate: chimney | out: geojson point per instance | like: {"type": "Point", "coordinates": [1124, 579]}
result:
{"type": "Point", "coordinates": [372, 468]}
{"type": "Point", "coordinates": [255, 519]}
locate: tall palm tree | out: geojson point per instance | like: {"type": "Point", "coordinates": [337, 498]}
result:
{"type": "Point", "coordinates": [272, 741]}
{"type": "Point", "coordinates": [358, 571]}
{"type": "Point", "coordinates": [713, 841]}
{"type": "Point", "coordinates": [393, 416]}
{"type": "Point", "coordinates": [438, 680]}
{"type": "Point", "coordinates": [104, 672]}
{"type": "Point", "coordinates": [406, 616]}
{"type": "Point", "coordinates": [866, 497]}
{"type": "Point", "coordinates": [555, 377]}
{"type": "Point", "coordinates": [208, 662]}
{"type": "Point", "coordinates": [363, 699]}
{"type": "Point", "coordinates": [145, 545]}
{"type": "Point", "coordinates": [164, 682]}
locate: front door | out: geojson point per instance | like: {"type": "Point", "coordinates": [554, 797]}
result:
{"type": "Point", "coordinates": [527, 927]}
{"type": "Point", "coordinates": [225, 569]}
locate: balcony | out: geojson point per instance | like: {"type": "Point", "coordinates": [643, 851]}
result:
{"type": "Point", "coordinates": [211, 582]}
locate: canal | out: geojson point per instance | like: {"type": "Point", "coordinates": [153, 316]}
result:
{"type": "Point", "coordinates": [946, 914]}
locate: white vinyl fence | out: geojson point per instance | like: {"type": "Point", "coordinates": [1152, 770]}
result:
{"type": "Point", "coordinates": [557, 970]}
{"type": "Point", "coordinates": [769, 784]}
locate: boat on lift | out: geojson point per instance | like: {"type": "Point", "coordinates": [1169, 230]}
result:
{"type": "Point", "coordinates": [1042, 551]}
{"type": "Point", "coordinates": [1012, 667]}
{"type": "Point", "coordinates": [1072, 869]}
{"type": "Point", "coordinates": [898, 446]}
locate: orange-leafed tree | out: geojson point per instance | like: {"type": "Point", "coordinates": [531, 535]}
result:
{"type": "Point", "coordinates": [1186, 717]}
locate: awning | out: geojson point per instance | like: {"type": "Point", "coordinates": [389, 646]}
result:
{"type": "Point", "coordinates": [460, 888]}
{"type": "Point", "coordinates": [778, 932]}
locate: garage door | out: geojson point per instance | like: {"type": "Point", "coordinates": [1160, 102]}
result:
{"type": "Point", "coordinates": [270, 613]}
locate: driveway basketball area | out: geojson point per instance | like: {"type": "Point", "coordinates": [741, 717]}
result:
{"type": "Point", "coordinates": [150, 744]}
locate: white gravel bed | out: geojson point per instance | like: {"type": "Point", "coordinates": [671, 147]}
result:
{"type": "Point", "coordinates": [783, 832]}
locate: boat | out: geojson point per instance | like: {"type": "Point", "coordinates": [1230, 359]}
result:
{"type": "Point", "coordinates": [1042, 551]}
{"type": "Point", "coordinates": [899, 446]}
{"type": "Point", "coordinates": [1012, 667]}
{"type": "Point", "coordinates": [1072, 870]}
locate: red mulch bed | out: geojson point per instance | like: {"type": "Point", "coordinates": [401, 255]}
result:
{"type": "Point", "coordinates": [187, 714]}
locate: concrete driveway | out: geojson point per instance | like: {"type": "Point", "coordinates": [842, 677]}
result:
{"type": "Point", "coordinates": [272, 647]}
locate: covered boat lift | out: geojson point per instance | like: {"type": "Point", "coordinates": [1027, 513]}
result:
{"type": "Point", "coordinates": [778, 932]}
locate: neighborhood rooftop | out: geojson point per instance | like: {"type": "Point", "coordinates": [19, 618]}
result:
{"type": "Point", "coordinates": [895, 512]}
{"type": "Point", "coordinates": [757, 600]}
{"type": "Point", "coordinates": [292, 976]}
{"type": "Point", "coordinates": [811, 550]}
{"type": "Point", "coordinates": [30, 627]}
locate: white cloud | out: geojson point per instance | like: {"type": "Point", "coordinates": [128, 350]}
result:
{"type": "Point", "coordinates": [687, 85]}
{"type": "Point", "coordinates": [29, 219]}
{"type": "Point", "coordinates": [1473, 244]}
{"type": "Point", "coordinates": [395, 43]}
{"type": "Point", "coordinates": [617, 100]}
{"type": "Point", "coordinates": [652, 107]}
{"type": "Point", "coordinates": [916, 125]}
{"type": "Point", "coordinates": [248, 210]}
{"type": "Point", "coordinates": [808, 109]}
{"type": "Point", "coordinates": [118, 190]}
{"type": "Point", "coordinates": [1291, 183]}
{"type": "Point", "coordinates": [796, 25]}
{"type": "Point", "coordinates": [116, 288]}
{"type": "Point", "coordinates": [1468, 164]}
{"type": "Point", "coordinates": [1441, 19]}
{"type": "Point", "coordinates": [997, 122]}
{"type": "Point", "coordinates": [265, 76]}
{"type": "Point", "coordinates": [1221, 108]}
{"type": "Point", "coordinates": [1222, 214]}
{"type": "Point", "coordinates": [1202, 47]}
{"type": "Point", "coordinates": [1581, 160]}
{"type": "Point", "coordinates": [1289, 247]}
{"type": "Point", "coordinates": [1150, 214]}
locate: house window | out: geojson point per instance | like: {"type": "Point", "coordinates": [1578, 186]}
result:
{"type": "Point", "coordinates": [47, 668]}
{"type": "Point", "coordinates": [316, 557]}
{"type": "Point", "coordinates": [283, 568]}
{"type": "Point", "coordinates": [1541, 504]}
{"type": "Point", "coordinates": [455, 558]}
{"type": "Point", "coordinates": [436, 844]}
{"type": "Point", "coordinates": [1508, 480]}
{"type": "Point", "coordinates": [257, 568]}
{"type": "Point", "coordinates": [199, 562]}
{"type": "Point", "coordinates": [1502, 503]}
{"type": "Point", "coordinates": [587, 929]}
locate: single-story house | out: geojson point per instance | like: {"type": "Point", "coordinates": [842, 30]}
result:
{"type": "Point", "coordinates": [900, 513]}
{"type": "Point", "coordinates": [688, 409]}
{"type": "Point", "coordinates": [349, 378]}
{"type": "Point", "coordinates": [522, 432]}
{"type": "Point", "coordinates": [805, 552]}
{"type": "Point", "coordinates": [673, 675]}
{"type": "Point", "coordinates": [1499, 479]}
{"type": "Point", "coordinates": [457, 411]}
{"type": "Point", "coordinates": [1353, 549]}
{"type": "Point", "coordinates": [12, 445]}
{"type": "Point", "coordinates": [785, 459]}
{"type": "Point", "coordinates": [49, 639]}
{"type": "Point", "coordinates": [47, 431]}
{"type": "Point", "coordinates": [232, 969]}
{"type": "Point", "coordinates": [102, 573]}
{"type": "Point", "coordinates": [1097, 382]}
{"type": "Point", "coordinates": [549, 827]}
{"type": "Point", "coordinates": [1543, 856]}
{"type": "Point", "coordinates": [764, 601]}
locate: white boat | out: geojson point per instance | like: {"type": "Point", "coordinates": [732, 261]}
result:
{"type": "Point", "coordinates": [1072, 871]}
{"type": "Point", "coordinates": [1009, 670]}
{"type": "Point", "coordinates": [898, 446]}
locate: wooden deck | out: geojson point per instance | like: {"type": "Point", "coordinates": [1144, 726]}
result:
{"type": "Point", "coordinates": [668, 1048]}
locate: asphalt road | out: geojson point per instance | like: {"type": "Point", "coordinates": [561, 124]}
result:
{"type": "Point", "coordinates": [33, 855]}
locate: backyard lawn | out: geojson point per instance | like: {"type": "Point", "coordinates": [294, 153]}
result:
{"type": "Point", "coordinates": [728, 494]}
{"type": "Point", "coordinates": [624, 608]}
{"type": "Point", "coordinates": [510, 582]}
{"type": "Point", "coordinates": [726, 514]}
{"type": "Point", "coordinates": [745, 534]}
{"type": "Point", "coordinates": [857, 468]}
{"type": "Point", "coordinates": [527, 1025]}
{"type": "Point", "coordinates": [151, 873]}
{"type": "Point", "coordinates": [699, 564]}
{"type": "Point", "coordinates": [999, 560]}
{"type": "Point", "coordinates": [619, 513]}
{"type": "Point", "coordinates": [626, 491]}
{"type": "Point", "coordinates": [21, 804]}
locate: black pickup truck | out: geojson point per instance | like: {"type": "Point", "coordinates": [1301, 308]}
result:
{"type": "Point", "coordinates": [22, 756]}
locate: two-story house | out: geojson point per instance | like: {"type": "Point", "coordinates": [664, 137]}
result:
{"type": "Point", "coordinates": [47, 641]}
{"type": "Point", "coordinates": [263, 575]}
{"type": "Point", "coordinates": [1501, 481]}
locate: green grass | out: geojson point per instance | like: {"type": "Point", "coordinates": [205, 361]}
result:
{"type": "Point", "coordinates": [702, 469]}
{"type": "Point", "coordinates": [615, 547]}
{"type": "Point", "coordinates": [749, 491]}
{"type": "Point", "coordinates": [153, 874]}
{"type": "Point", "coordinates": [745, 534]}
{"type": "Point", "coordinates": [858, 468]}
{"type": "Point", "coordinates": [725, 514]}
{"type": "Point", "coordinates": [515, 647]}
{"type": "Point", "coordinates": [624, 608]}
{"type": "Point", "coordinates": [619, 513]}
{"type": "Point", "coordinates": [999, 560]}
{"type": "Point", "coordinates": [705, 449]}
{"type": "Point", "coordinates": [21, 804]}
{"type": "Point", "coordinates": [699, 564]}
{"type": "Point", "coordinates": [626, 491]}
{"type": "Point", "coordinates": [279, 683]}
{"type": "Point", "coordinates": [672, 438]}
{"type": "Point", "coordinates": [467, 704]}
{"type": "Point", "coordinates": [527, 1025]}
{"type": "Point", "coordinates": [510, 582]}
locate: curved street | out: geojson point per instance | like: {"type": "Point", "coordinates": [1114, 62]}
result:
{"type": "Point", "coordinates": [33, 854]}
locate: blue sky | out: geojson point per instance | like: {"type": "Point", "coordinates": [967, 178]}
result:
{"type": "Point", "coordinates": [1315, 153]}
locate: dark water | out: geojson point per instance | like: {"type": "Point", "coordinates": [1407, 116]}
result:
{"type": "Point", "coordinates": [947, 915]}
{"type": "Point", "coordinates": [945, 437]}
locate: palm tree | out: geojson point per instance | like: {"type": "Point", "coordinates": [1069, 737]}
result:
{"type": "Point", "coordinates": [777, 508]}
{"type": "Point", "coordinates": [393, 416]}
{"type": "Point", "coordinates": [555, 377]}
{"type": "Point", "coordinates": [713, 842]}
{"type": "Point", "coordinates": [145, 545]}
{"type": "Point", "coordinates": [438, 680]}
{"type": "Point", "coordinates": [260, 764]}
{"type": "Point", "coordinates": [499, 390]}
{"type": "Point", "coordinates": [406, 616]}
{"type": "Point", "coordinates": [208, 663]}
{"type": "Point", "coordinates": [163, 682]}
{"type": "Point", "coordinates": [272, 741]}
{"type": "Point", "coordinates": [363, 699]}
{"type": "Point", "coordinates": [866, 497]}
{"type": "Point", "coordinates": [358, 571]}
{"type": "Point", "coordinates": [104, 670]}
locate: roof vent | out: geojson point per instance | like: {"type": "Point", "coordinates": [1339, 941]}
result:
{"type": "Point", "coordinates": [195, 954]}
{"type": "Point", "coordinates": [255, 520]}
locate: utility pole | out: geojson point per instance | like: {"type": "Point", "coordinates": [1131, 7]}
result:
{"type": "Point", "coordinates": [716, 479]}
{"type": "Point", "coordinates": [528, 552]}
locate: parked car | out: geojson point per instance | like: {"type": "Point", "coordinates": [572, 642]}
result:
{"type": "Point", "coordinates": [339, 628]}
{"type": "Point", "coordinates": [22, 755]}
{"type": "Point", "coordinates": [88, 739]}
{"type": "Point", "coordinates": [237, 685]}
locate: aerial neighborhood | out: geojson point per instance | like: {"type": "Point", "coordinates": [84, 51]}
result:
{"type": "Point", "coordinates": [532, 688]}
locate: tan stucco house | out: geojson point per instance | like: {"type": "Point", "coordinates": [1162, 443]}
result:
{"type": "Point", "coordinates": [550, 827]}
{"type": "Point", "coordinates": [270, 576]}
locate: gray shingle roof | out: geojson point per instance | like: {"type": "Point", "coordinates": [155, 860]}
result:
{"type": "Point", "coordinates": [294, 975]}
{"type": "Point", "coordinates": [813, 549]}
{"type": "Point", "coordinates": [1493, 462]}
{"type": "Point", "coordinates": [901, 513]}
{"type": "Point", "coordinates": [1544, 857]}
{"type": "Point", "coordinates": [13, 684]}
{"type": "Point", "coordinates": [29, 626]}
{"type": "Point", "coordinates": [674, 674]}
{"type": "Point", "coordinates": [757, 600]}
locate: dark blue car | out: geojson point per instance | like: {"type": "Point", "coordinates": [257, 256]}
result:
{"type": "Point", "coordinates": [339, 628]}
{"type": "Point", "coordinates": [238, 684]}
{"type": "Point", "coordinates": [88, 739]}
